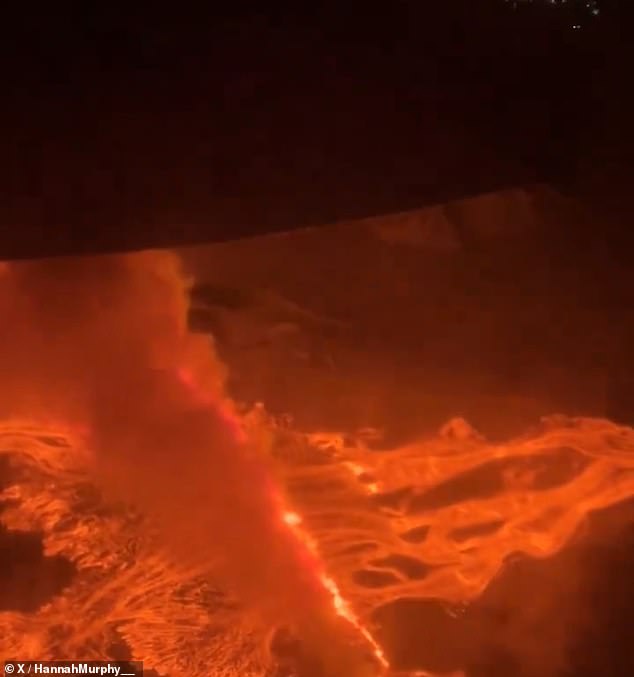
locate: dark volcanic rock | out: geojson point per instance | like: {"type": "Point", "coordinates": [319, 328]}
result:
{"type": "Point", "coordinates": [29, 579]}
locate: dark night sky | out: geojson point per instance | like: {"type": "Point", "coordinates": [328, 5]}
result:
{"type": "Point", "coordinates": [150, 127]}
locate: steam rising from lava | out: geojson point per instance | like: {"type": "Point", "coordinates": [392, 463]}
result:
{"type": "Point", "coordinates": [102, 344]}
{"type": "Point", "coordinates": [300, 526]}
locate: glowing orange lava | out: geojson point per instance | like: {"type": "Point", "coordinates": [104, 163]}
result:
{"type": "Point", "coordinates": [293, 521]}
{"type": "Point", "coordinates": [362, 528]}
{"type": "Point", "coordinates": [456, 506]}
{"type": "Point", "coordinates": [545, 484]}
{"type": "Point", "coordinates": [341, 606]}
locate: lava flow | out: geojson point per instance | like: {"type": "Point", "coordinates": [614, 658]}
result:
{"type": "Point", "coordinates": [341, 606]}
{"type": "Point", "coordinates": [177, 531]}
{"type": "Point", "coordinates": [104, 344]}
{"type": "Point", "coordinates": [293, 522]}
{"type": "Point", "coordinates": [442, 516]}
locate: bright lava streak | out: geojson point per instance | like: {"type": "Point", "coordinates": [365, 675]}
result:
{"type": "Point", "coordinates": [294, 523]}
{"type": "Point", "coordinates": [341, 606]}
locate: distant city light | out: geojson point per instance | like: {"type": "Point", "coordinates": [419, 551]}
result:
{"type": "Point", "coordinates": [578, 8]}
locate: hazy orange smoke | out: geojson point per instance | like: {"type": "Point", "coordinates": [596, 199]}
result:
{"type": "Point", "coordinates": [103, 343]}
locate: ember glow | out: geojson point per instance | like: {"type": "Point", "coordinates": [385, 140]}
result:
{"type": "Point", "coordinates": [193, 529]}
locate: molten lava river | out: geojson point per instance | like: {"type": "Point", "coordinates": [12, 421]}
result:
{"type": "Point", "coordinates": [359, 527]}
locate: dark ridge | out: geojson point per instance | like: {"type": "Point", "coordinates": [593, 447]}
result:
{"type": "Point", "coordinates": [29, 579]}
{"type": "Point", "coordinates": [53, 441]}
{"type": "Point", "coordinates": [358, 548]}
{"type": "Point", "coordinates": [409, 566]}
{"type": "Point", "coordinates": [416, 535]}
{"type": "Point", "coordinates": [368, 578]}
{"type": "Point", "coordinates": [483, 529]}
{"type": "Point", "coordinates": [546, 471]}
{"type": "Point", "coordinates": [393, 499]}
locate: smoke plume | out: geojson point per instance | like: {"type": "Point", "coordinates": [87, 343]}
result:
{"type": "Point", "coordinates": [102, 343]}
